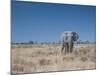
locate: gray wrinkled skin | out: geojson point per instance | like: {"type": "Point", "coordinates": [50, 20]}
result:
{"type": "Point", "coordinates": [67, 39]}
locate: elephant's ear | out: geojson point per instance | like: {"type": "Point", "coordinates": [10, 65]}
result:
{"type": "Point", "coordinates": [75, 36]}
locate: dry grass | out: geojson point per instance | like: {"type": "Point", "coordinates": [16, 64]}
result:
{"type": "Point", "coordinates": [44, 58]}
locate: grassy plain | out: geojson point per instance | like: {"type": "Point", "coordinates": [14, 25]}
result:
{"type": "Point", "coordinates": [47, 58]}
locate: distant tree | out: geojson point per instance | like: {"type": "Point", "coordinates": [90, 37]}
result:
{"type": "Point", "coordinates": [53, 43]}
{"type": "Point", "coordinates": [31, 42]}
{"type": "Point", "coordinates": [22, 43]}
{"type": "Point", "coordinates": [45, 43]}
{"type": "Point", "coordinates": [59, 42]}
{"type": "Point", "coordinates": [12, 42]}
{"type": "Point", "coordinates": [56, 43]}
{"type": "Point", "coordinates": [94, 42]}
{"type": "Point", "coordinates": [17, 43]}
{"type": "Point", "coordinates": [35, 42]}
{"type": "Point", "coordinates": [41, 43]}
{"type": "Point", "coordinates": [49, 43]}
{"type": "Point", "coordinates": [87, 42]}
{"type": "Point", "coordinates": [82, 42]}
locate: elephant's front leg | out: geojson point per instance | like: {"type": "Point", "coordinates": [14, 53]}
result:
{"type": "Point", "coordinates": [71, 47]}
{"type": "Point", "coordinates": [66, 48]}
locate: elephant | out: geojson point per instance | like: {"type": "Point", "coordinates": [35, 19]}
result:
{"type": "Point", "coordinates": [67, 40]}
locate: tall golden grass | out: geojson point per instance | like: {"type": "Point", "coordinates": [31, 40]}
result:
{"type": "Point", "coordinates": [44, 58]}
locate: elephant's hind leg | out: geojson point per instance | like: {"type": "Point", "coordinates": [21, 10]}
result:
{"type": "Point", "coordinates": [62, 48]}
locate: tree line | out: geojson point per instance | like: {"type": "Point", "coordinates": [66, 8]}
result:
{"type": "Point", "coordinates": [54, 43]}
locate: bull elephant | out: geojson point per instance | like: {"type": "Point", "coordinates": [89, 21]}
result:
{"type": "Point", "coordinates": [68, 38]}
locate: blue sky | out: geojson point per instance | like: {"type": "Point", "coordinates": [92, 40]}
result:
{"type": "Point", "coordinates": [45, 22]}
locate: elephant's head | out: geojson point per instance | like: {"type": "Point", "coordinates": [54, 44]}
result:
{"type": "Point", "coordinates": [69, 35]}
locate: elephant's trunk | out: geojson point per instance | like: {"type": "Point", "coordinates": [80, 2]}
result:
{"type": "Point", "coordinates": [71, 47]}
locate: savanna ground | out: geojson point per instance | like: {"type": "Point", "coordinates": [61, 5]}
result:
{"type": "Point", "coordinates": [47, 58]}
